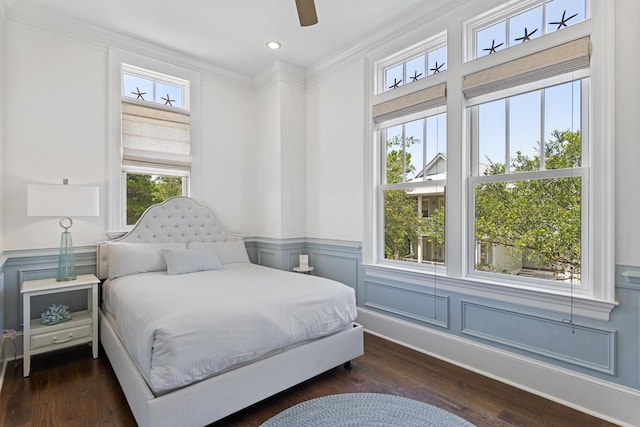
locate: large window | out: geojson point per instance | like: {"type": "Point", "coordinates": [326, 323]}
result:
{"type": "Point", "coordinates": [156, 130]}
{"type": "Point", "coordinates": [153, 143]}
{"type": "Point", "coordinates": [513, 192]}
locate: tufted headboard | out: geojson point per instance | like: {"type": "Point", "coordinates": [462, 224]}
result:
{"type": "Point", "coordinates": [178, 219]}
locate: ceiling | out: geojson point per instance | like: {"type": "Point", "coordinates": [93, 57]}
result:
{"type": "Point", "coordinates": [233, 33]}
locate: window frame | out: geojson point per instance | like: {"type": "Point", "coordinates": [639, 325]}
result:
{"type": "Point", "coordinates": [475, 178]}
{"type": "Point", "coordinates": [116, 212]}
{"type": "Point", "coordinates": [423, 48]}
{"type": "Point", "coordinates": [600, 300]}
{"type": "Point", "coordinates": [383, 185]}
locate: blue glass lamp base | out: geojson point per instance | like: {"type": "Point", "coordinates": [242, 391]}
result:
{"type": "Point", "coordinates": [66, 261]}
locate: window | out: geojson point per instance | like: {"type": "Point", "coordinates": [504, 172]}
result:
{"type": "Point", "coordinates": [153, 143]}
{"type": "Point", "coordinates": [423, 60]}
{"type": "Point", "coordinates": [156, 156]}
{"type": "Point", "coordinates": [527, 184]}
{"type": "Point", "coordinates": [522, 192]}
{"type": "Point", "coordinates": [523, 22]}
{"type": "Point", "coordinates": [413, 189]}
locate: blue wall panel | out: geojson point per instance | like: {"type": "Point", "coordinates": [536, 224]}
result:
{"type": "Point", "coordinates": [582, 346]}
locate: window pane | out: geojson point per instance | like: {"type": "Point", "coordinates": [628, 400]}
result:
{"type": "Point", "coordinates": [525, 26]}
{"type": "Point", "coordinates": [436, 138]}
{"type": "Point", "coordinates": [563, 13]}
{"type": "Point", "coordinates": [414, 137]}
{"type": "Point", "coordinates": [137, 87]}
{"type": "Point", "coordinates": [437, 60]}
{"type": "Point", "coordinates": [414, 225]}
{"type": "Point", "coordinates": [167, 94]}
{"type": "Point", "coordinates": [415, 69]}
{"type": "Point", "coordinates": [524, 132]}
{"type": "Point", "coordinates": [395, 160]}
{"type": "Point", "coordinates": [146, 190]}
{"type": "Point", "coordinates": [492, 137]}
{"type": "Point", "coordinates": [393, 77]}
{"type": "Point", "coordinates": [514, 238]}
{"type": "Point", "coordinates": [563, 126]}
{"type": "Point", "coordinates": [491, 39]}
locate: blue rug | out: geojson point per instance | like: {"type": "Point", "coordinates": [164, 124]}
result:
{"type": "Point", "coordinates": [365, 409]}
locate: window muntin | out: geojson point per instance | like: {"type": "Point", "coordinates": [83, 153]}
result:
{"type": "Point", "coordinates": [519, 25]}
{"type": "Point", "coordinates": [531, 225]}
{"type": "Point", "coordinates": [416, 68]}
{"type": "Point", "coordinates": [413, 190]}
{"type": "Point", "coordinates": [412, 64]}
{"type": "Point", "coordinates": [151, 87]}
{"type": "Point", "coordinates": [516, 128]}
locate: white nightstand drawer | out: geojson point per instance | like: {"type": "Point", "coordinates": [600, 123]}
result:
{"type": "Point", "coordinates": [63, 336]}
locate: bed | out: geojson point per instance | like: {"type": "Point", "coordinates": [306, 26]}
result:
{"type": "Point", "coordinates": [195, 331]}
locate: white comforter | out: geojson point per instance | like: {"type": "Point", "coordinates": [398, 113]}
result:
{"type": "Point", "coordinates": [184, 328]}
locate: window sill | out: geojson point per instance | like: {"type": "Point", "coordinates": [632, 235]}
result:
{"type": "Point", "coordinates": [559, 302]}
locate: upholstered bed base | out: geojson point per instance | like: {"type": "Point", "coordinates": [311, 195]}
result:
{"type": "Point", "coordinates": [215, 398]}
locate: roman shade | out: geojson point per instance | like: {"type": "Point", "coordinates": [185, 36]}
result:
{"type": "Point", "coordinates": [555, 61]}
{"type": "Point", "coordinates": [155, 136]}
{"type": "Point", "coordinates": [430, 97]}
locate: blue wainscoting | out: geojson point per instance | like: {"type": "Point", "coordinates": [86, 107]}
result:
{"type": "Point", "coordinates": [337, 260]}
{"type": "Point", "coordinates": [606, 350]}
{"type": "Point", "coordinates": [588, 347]}
{"type": "Point", "coordinates": [40, 264]}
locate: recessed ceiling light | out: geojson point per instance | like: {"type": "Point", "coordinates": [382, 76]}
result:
{"type": "Point", "coordinates": [274, 45]}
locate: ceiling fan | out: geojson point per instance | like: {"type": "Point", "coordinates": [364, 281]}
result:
{"type": "Point", "coordinates": [307, 12]}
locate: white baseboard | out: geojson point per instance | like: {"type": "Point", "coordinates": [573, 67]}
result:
{"type": "Point", "coordinates": [602, 399]}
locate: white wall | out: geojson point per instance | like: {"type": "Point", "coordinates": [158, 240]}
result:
{"type": "Point", "coordinates": [336, 108]}
{"type": "Point", "coordinates": [627, 134]}
{"type": "Point", "coordinates": [54, 128]}
{"type": "Point", "coordinates": [279, 177]}
{"type": "Point", "coordinates": [228, 154]}
{"type": "Point", "coordinates": [57, 127]}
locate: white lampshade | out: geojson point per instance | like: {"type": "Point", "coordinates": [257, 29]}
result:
{"type": "Point", "coordinates": [62, 200]}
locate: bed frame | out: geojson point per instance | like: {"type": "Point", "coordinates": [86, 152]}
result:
{"type": "Point", "coordinates": [181, 219]}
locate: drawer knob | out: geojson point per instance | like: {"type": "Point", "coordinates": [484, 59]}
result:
{"type": "Point", "coordinates": [57, 341]}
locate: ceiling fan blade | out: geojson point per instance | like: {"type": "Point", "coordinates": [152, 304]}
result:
{"type": "Point", "coordinates": [306, 12]}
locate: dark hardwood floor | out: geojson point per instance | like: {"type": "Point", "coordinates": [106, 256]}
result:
{"type": "Point", "coordinates": [68, 388]}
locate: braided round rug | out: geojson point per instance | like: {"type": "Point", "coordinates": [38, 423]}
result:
{"type": "Point", "coordinates": [365, 409]}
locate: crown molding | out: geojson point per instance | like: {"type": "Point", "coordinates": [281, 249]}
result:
{"type": "Point", "coordinates": [280, 71]}
{"type": "Point", "coordinates": [30, 15]}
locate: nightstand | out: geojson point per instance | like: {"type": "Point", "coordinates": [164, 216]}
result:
{"type": "Point", "coordinates": [303, 269]}
{"type": "Point", "coordinates": [81, 328]}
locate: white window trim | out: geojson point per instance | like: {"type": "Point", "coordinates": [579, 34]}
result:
{"type": "Point", "coordinates": [601, 218]}
{"type": "Point", "coordinates": [116, 189]}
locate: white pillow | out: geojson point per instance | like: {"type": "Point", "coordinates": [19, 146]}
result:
{"type": "Point", "coordinates": [132, 258]}
{"type": "Point", "coordinates": [228, 252]}
{"type": "Point", "coordinates": [180, 261]}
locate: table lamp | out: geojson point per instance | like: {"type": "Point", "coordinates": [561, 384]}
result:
{"type": "Point", "coordinates": [64, 201]}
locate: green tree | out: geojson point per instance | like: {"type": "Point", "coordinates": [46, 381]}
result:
{"type": "Point", "coordinates": [538, 220]}
{"type": "Point", "coordinates": [146, 190]}
{"type": "Point", "coordinates": [167, 187]}
{"type": "Point", "coordinates": [140, 189]}
{"type": "Point", "coordinates": [402, 224]}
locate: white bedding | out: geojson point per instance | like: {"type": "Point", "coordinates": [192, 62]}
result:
{"type": "Point", "coordinates": [183, 328]}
